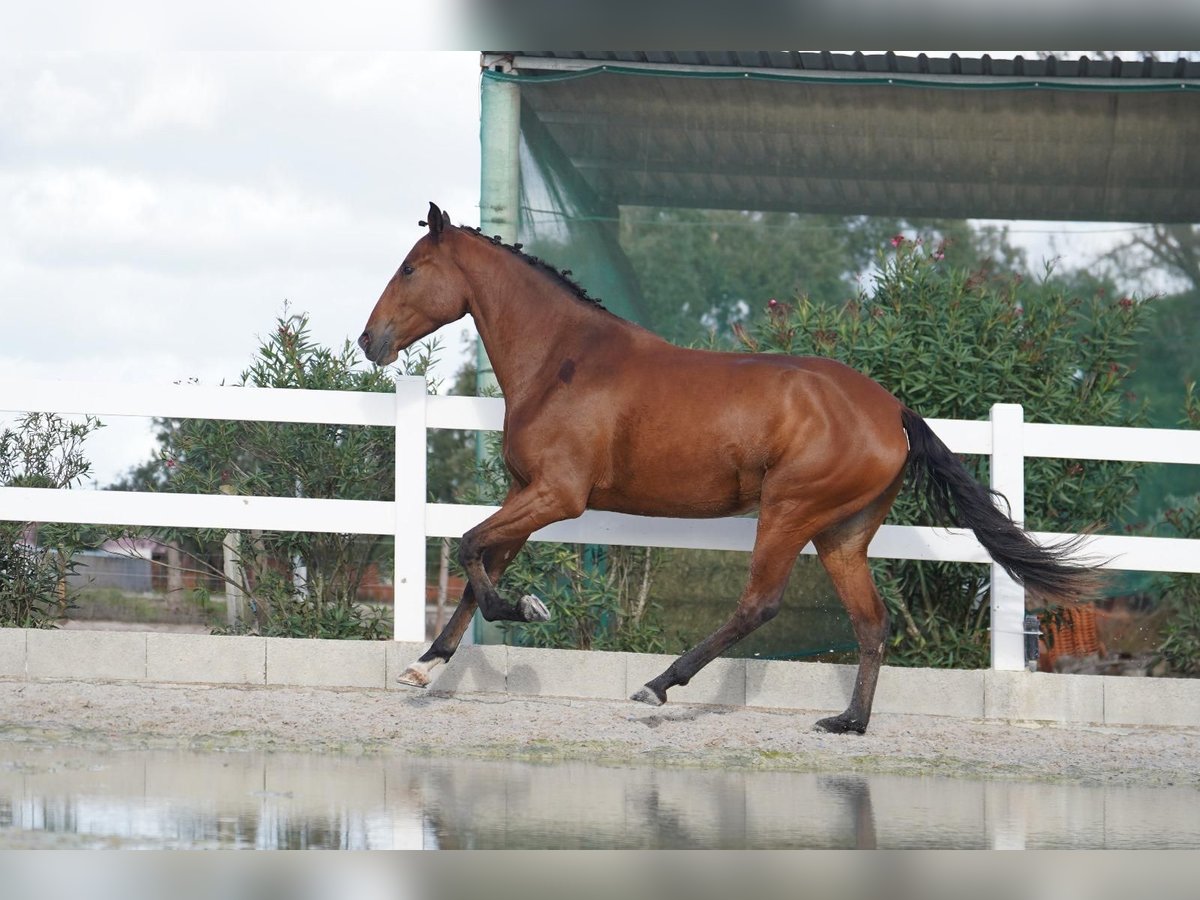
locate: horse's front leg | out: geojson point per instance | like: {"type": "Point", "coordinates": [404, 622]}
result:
{"type": "Point", "coordinates": [485, 552]}
{"type": "Point", "coordinates": [420, 672]}
{"type": "Point", "coordinates": [523, 512]}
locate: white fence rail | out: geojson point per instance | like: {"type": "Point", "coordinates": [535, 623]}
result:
{"type": "Point", "coordinates": [1006, 438]}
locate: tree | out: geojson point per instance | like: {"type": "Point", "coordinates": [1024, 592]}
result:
{"type": "Point", "coordinates": [1180, 646]}
{"type": "Point", "coordinates": [1167, 360]}
{"type": "Point", "coordinates": [43, 451]}
{"type": "Point", "coordinates": [293, 460]}
{"type": "Point", "coordinates": [1173, 248]}
{"type": "Point", "coordinates": [702, 271]}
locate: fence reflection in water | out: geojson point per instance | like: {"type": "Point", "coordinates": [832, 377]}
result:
{"type": "Point", "coordinates": [283, 800]}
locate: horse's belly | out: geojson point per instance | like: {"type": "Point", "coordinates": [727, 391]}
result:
{"type": "Point", "coordinates": [669, 506]}
{"type": "Point", "coordinates": [679, 491]}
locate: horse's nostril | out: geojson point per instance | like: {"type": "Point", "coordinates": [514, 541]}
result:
{"type": "Point", "coordinates": [364, 340]}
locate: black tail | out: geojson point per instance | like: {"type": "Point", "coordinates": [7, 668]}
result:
{"type": "Point", "coordinates": [1046, 572]}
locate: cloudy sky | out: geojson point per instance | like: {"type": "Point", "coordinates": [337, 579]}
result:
{"type": "Point", "coordinates": [157, 210]}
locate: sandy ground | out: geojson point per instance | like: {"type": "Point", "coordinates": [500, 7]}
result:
{"type": "Point", "coordinates": [118, 715]}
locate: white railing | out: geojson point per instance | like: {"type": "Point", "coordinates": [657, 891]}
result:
{"type": "Point", "coordinates": [1006, 438]}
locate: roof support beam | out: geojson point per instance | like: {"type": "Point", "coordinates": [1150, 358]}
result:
{"type": "Point", "coordinates": [526, 65]}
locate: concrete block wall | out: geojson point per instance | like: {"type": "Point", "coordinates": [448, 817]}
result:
{"type": "Point", "coordinates": [518, 671]}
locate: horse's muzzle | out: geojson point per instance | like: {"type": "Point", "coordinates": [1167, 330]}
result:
{"type": "Point", "coordinates": [378, 348]}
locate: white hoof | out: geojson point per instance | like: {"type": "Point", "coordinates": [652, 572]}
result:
{"type": "Point", "coordinates": [533, 609]}
{"type": "Point", "coordinates": [419, 674]}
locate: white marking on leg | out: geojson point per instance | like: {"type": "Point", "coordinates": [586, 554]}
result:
{"type": "Point", "coordinates": [419, 674]}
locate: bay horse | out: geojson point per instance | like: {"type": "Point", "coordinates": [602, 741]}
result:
{"type": "Point", "coordinates": [602, 414]}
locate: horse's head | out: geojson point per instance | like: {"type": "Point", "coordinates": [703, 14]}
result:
{"type": "Point", "coordinates": [427, 291]}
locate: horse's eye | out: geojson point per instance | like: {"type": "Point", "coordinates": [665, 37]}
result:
{"type": "Point", "coordinates": [406, 269]}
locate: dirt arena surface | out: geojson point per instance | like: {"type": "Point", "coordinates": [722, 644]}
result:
{"type": "Point", "coordinates": [207, 717]}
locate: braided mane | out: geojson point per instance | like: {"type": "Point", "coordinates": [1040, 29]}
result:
{"type": "Point", "coordinates": [562, 276]}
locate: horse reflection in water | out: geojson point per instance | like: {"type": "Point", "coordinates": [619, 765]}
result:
{"type": "Point", "coordinates": [603, 414]}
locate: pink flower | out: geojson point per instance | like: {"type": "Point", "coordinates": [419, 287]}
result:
{"type": "Point", "coordinates": [772, 303]}
{"type": "Point", "coordinates": [1125, 303]}
{"type": "Point", "coordinates": [897, 240]}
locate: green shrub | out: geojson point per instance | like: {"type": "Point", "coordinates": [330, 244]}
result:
{"type": "Point", "coordinates": [1180, 591]}
{"type": "Point", "coordinates": [43, 451]}
{"type": "Point", "coordinates": [280, 610]}
{"type": "Point", "coordinates": [1180, 594]}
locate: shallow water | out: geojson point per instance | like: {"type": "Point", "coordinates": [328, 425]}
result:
{"type": "Point", "coordinates": [68, 796]}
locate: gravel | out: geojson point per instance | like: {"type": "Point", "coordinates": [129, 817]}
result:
{"type": "Point", "coordinates": [210, 717]}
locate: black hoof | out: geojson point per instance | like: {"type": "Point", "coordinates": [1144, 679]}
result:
{"type": "Point", "coordinates": [649, 696]}
{"type": "Point", "coordinates": [842, 724]}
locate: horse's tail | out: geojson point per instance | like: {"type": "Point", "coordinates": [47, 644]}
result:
{"type": "Point", "coordinates": [1046, 572]}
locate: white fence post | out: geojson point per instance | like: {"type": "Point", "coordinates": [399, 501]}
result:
{"type": "Point", "coordinates": [409, 579]}
{"type": "Point", "coordinates": [1008, 477]}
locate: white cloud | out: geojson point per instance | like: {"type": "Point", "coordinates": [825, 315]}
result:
{"type": "Point", "coordinates": [54, 110]}
{"type": "Point", "coordinates": [173, 98]}
{"type": "Point", "coordinates": [210, 25]}
{"type": "Point", "coordinates": [70, 99]}
{"type": "Point", "coordinates": [69, 217]}
{"type": "Point", "coordinates": [156, 210]}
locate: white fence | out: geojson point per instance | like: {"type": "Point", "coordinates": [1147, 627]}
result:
{"type": "Point", "coordinates": [1006, 438]}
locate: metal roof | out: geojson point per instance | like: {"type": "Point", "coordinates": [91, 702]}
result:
{"type": "Point", "coordinates": [959, 136]}
{"type": "Point", "coordinates": [862, 63]}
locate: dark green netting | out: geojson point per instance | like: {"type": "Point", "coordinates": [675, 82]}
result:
{"type": "Point", "coordinates": [562, 220]}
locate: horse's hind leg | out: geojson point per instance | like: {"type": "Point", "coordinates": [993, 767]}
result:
{"type": "Point", "coordinates": [775, 551]}
{"type": "Point", "coordinates": [843, 551]}
{"type": "Point", "coordinates": [851, 575]}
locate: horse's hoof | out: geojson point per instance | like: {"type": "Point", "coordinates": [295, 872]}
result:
{"type": "Point", "coordinates": [647, 696]}
{"type": "Point", "coordinates": [411, 678]}
{"type": "Point", "coordinates": [419, 674]}
{"type": "Point", "coordinates": [533, 609]}
{"type": "Point", "coordinates": [841, 725]}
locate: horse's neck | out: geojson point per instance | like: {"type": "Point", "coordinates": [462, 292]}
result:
{"type": "Point", "coordinates": [525, 327]}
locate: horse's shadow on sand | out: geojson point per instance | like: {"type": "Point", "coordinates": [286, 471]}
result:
{"type": "Point", "coordinates": [683, 714]}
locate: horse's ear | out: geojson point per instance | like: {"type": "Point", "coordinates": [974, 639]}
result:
{"type": "Point", "coordinates": [437, 220]}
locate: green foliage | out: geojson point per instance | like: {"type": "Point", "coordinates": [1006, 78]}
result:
{"type": "Point", "coordinates": [598, 597]}
{"type": "Point", "coordinates": [289, 613]}
{"type": "Point", "coordinates": [699, 270]}
{"type": "Point", "coordinates": [950, 342]}
{"type": "Point", "coordinates": [43, 451]}
{"type": "Point", "coordinates": [593, 597]}
{"type": "Point", "coordinates": [267, 459]}
{"type": "Point", "coordinates": [1167, 362]}
{"type": "Point", "coordinates": [1180, 645]}
{"type": "Point", "coordinates": [1180, 592]}
{"type": "Point", "coordinates": [703, 271]}
{"type": "Point", "coordinates": [451, 458]}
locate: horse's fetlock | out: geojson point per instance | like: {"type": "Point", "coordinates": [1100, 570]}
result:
{"type": "Point", "coordinates": [491, 605]}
